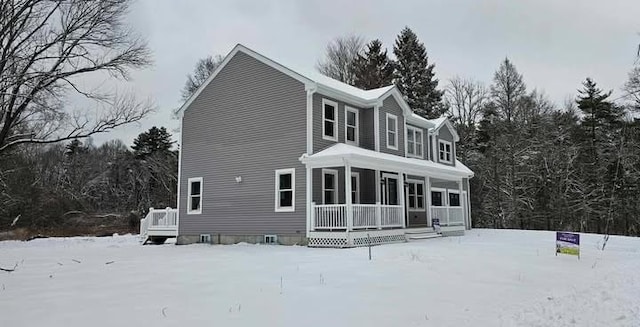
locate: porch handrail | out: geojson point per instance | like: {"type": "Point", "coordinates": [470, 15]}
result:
{"type": "Point", "coordinates": [365, 216]}
{"type": "Point", "coordinates": [447, 215]}
{"type": "Point", "coordinates": [158, 218]}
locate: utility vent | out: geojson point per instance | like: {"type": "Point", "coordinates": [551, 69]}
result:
{"type": "Point", "coordinates": [271, 239]}
{"type": "Point", "coordinates": [205, 238]}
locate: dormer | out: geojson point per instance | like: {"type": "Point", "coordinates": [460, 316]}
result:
{"type": "Point", "coordinates": [443, 138]}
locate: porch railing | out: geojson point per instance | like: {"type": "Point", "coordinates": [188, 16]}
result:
{"type": "Point", "coordinates": [163, 219]}
{"type": "Point", "coordinates": [365, 216]}
{"type": "Point", "coordinates": [448, 216]}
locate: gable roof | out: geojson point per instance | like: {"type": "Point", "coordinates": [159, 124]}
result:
{"type": "Point", "coordinates": [319, 82]}
{"type": "Point", "coordinates": [444, 121]}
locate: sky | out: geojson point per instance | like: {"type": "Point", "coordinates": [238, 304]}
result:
{"type": "Point", "coordinates": [555, 44]}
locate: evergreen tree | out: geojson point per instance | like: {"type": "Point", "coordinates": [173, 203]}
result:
{"type": "Point", "coordinates": [373, 69]}
{"type": "Point", "coordinates": [508, 90]}
{"type": "Point", "coordinates": [155, 140]}
{"type": "Point", "coordinates": [415, 77]}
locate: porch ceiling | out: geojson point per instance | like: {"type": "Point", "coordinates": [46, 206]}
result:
{"type": "Point", "coordinates": [340, 153]}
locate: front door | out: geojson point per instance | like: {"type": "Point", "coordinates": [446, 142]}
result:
{"type": "Point", "coordinates": [389, 189]}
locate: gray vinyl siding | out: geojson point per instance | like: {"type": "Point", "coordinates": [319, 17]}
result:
{"type": "Point", "coordinates": [389, 105]}
{"type": "Point", "coordinates": [365, 124]}
{"type": "Point", "coordinates": [425, 142]}
{"type": "Point", "coordinates": [367, 185]}
{"type": "Point", "coordinates": [418, 218]}
{"type": "Point", "coordinates": [248, 122]}
{"type": "Point", "coordinates": [440, 183]}
{"type": "Point", "coordinates": [445, 134]}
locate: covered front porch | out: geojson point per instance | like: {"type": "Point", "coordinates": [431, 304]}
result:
{"type": "Point", "coordinates": [358, 196]}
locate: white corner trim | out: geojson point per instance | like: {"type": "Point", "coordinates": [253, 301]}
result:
{"type": "Point", "coordinates": [334, 172]}
{"type": "Point", "coordinates": [310, 91]}
{"type": "Point", "coordinates": [376, 127]}
{"type": "Point", "coordinates": [189, 195]}
{"type": "Point", "coordinates": [276, 183]}
{"type": "Point", "coordinates": [348, 109]}
{"type": "Point", "coordinates": [180, 151]}
{"type": "Point", "coordinates": [335, 120]}
{"type": "Point", "coordinates": [395, 118]}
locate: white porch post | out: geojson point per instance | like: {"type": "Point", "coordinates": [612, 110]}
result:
{"type": "Point", "coordinates": [309, 197]}
{"type": "Point", "coordinates": [404, 210]}
{"type": "Point", "coordinates": [347, 195]}
{"type": "Point", "coordinates": [462, 205]}
{"type": "Point", "coordinates": [378, 201]}
{"type": "Point", "coordinates": [427, 194]}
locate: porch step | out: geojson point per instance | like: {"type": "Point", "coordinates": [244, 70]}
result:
{"type": "Point", "coordinates": [423, 236]}
{"type": "Point", "coordinates": [421, 233]}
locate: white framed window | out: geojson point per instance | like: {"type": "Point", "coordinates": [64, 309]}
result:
{"type": "Point", "coordinates": [351, 125]}
{"type": "Point", "coordinates": [416, 195]}
{"type": "Point", "coordinates": [329, 120]}
{"type": "Point", "coordinates": [444, 150]}
{"type": "Point", "coordinates": [194, 196]}
{"type": "Point", "coordinates": [437, 197]}
{"type": "Point", "coordinates": [329, 186]}
{"type": "Point", "coordinates": [392, 131]}
{"type": "Point", "coordinates": [285, 190]}
{"type": "Point", "coordinates": [454, 198]}
{"type": "Point", "coordinates": [414, 142]}
{"type": "Point", "coordinates": [355, 187]}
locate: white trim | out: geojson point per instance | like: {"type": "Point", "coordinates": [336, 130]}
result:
{"type": "Point", "coordinates": [190, 211]}
{"type": "Point", "coordinates": [388, 115]}
{"type": "Point", "coordinates": [444, 197]}
{"type": "Point", "coordinates": [348, 109]}
{"type": "Point", "coordinates": [376, 127]}
{"type": "Point", "coordinates": [452, 130]}
{"type": "Point", "coordinates": [414, 130]}
{"type": "Point", "coordinates": [277, 190]}
{"type": "Point", "coordinates": [357, 186]}
{"type": "Point", "coordinates": [309, 191]}
{"type": "Point", "coordinates": [450, 161]}
{"type": "Point", "coordinates": [179, 176]}
{"type": "Point", "coordinates": [310, 92]}
{"type": "Point", "coordinates": [395, 176]}
{"type": "Point", "coordinates": [335, 120]}
{"type": "Point", "coordinates": [326, 171]}
{"type": "Point", "coordinates": [416, 182]}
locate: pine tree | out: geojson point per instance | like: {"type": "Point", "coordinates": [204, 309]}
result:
{"type": "Point", "coordinates": [508, 90]}
{"type": "Point", "coordinates": [415, 77]}
{"type": "Point", "coordinates": [155, 140]}
{"type": "Point", "coordinates": [373, 69]}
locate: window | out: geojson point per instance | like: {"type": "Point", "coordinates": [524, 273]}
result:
{"type": "Point", "coordinates": [392, 131]}
{"type": "Point", "coordinates": [351, 125]}
{"type": "Point", "coordinates": [436, 199]}
{"type": "Point", "coordinates": [454, 199]}
{"type": "Point", "coordinates": [329, 120]}
{"type": "Point", "coordinates": [355, 187]}
{"type": "Point", "coordinates": [285, 190]}
{"type": "Point", "coordinates": [416, 195]}
{"type": "Point", "coordinates": [194, 198]}
{"type": "Point", "coordinates": [414, 142]}
{"type": "Point", "coordinates": [329, 186]}
{"type": "Point", "coordinates": [445, 151]}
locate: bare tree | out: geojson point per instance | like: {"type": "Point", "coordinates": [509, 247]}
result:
{"type": "Point", "coordinates": [47, 47]}
{"type": "Point", "coordinates": [465, 99]}
{"type": "Point", "coordinates": [340, 58]}
{"type": "Point", "coordinates": [204, 68]}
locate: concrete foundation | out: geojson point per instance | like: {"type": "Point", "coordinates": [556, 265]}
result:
{"type": "Point", "coordinates": [453, 233]}
{"type": "Point", "coordinates": [233, 239]}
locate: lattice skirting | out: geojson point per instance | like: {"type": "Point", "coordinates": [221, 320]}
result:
{"type": "Point", "coordinates": [376, 240]}
{"type": "Point", "coordinates": [327, 242]}
{"type": "Point", "coordinates": [355, 239]}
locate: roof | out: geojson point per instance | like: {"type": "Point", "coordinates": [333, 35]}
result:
{"type": "Point", "coordinates": [338, 153]}
{"type": "Point", "coordinates": [444, 121]}
{"type": "Point", "coordinates": [334, 84]}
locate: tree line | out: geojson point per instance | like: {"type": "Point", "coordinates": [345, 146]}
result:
{"type": "Point", "coordinates": [538, 165]}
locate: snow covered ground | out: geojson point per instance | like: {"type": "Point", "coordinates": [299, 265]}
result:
{"type": "Point", "coordinates": [486, 278]}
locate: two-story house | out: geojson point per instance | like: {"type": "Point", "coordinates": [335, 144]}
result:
{"type": "Point", "coordinates": [269, 154]}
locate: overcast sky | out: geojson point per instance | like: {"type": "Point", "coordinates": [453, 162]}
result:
{"type": "Point", "coordinates": [555, 44]}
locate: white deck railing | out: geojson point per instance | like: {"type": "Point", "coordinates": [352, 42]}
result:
{"type": "Point", "coordinates": [164, 220]}
{"type": "Point", "coordinates": [448, 216]}
{"type": "Point", "coordinates": [365, 216]}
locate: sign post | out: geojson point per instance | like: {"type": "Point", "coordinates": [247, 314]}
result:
{"type": "Point", "coordinates": [568, 243]}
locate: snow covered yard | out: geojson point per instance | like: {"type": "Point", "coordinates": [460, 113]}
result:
{"type": "Point", "coordinates": [486, 278]}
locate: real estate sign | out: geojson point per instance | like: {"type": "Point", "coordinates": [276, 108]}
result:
{"type": "Point", "coordinates": [436, 224]}
{"type": "Point", "coordinates": [568, 243]}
